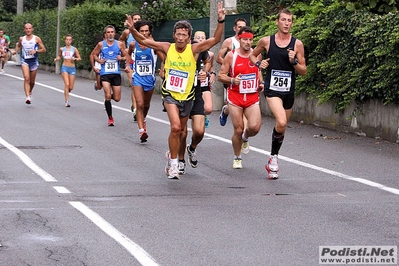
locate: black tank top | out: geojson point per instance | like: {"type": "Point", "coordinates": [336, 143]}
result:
{"type": "Point", "coordinates": [280, 75]}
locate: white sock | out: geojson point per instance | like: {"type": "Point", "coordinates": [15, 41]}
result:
{"type": "Point", "coordinates": [243, 137]}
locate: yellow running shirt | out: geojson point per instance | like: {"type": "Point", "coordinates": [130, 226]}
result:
{"type": "Point", "coordinates": [179, 74]}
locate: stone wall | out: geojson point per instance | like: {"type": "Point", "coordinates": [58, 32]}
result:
{"type": "Point", "coordinates": [375, 120]}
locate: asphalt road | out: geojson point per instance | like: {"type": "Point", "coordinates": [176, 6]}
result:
{"type": "Point", "coordinates": [74, 191]}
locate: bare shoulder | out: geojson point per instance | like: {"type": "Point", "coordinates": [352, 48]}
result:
{"type": "Point", "coordinates": [227, 43]}
{"type": "Point", "coordinates": [298, 43]}
{"type": "Point", "coordinates": [264, 41]}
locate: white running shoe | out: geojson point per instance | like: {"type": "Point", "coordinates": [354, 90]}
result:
{"type": "Point", "coordinates": [272, 167]}
{"type": "Point", "coordinates": [173, 172]}
{"type": "Point", "coordinates": [245, 147]}
{"type": "Point", "coordinates": [237, 163]}
{"type": "Point", "coordinates": [167, 155]}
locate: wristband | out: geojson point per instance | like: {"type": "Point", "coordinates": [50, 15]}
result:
{"type": "Point", "coordinates": [257, 64]}
{"type": "Point", "coordinates": [221, 21]}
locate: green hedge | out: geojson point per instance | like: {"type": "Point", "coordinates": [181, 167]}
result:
{"type": "Point", "coordinates": [85, 22]}
{"type": "Point", "coordinates": [351, 55]}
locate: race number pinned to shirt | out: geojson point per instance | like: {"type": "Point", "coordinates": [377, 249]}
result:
{"type": "Point", "coordinates": [177, 80]}
{"type": "Point", "coordinates": [67, 54]}
{"type": "Point", "coordinates": [27, 54]}
{"type": "Point", "coordinates": [280, 80]}
{"type": "Point", "coordinates": [111, 66]}
{"type": "Point", "coordinates": [144, 67]}
{"type": "Point", "coordinates": [205, 82]}
{"type": "Point", "coordinates": [248, 83]}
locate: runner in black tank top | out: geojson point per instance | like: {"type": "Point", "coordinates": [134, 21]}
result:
{"type": "Point", "coordinates": [286, 57]}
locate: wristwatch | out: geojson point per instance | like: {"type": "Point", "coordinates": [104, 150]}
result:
{"type": "Point", "coordinates": [295, 62]}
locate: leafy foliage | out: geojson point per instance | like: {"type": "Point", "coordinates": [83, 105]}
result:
{"type": "Point", "coordinates": [162, 10]}
{"type": "Point", "coordinates": [260, 8]}
{"type": "Point", "coordinates": [11, 7]}
{"type": "Point", "coordinates": [351, 56]}
{"type": "Point", "coordinates": [380, 7]}
{"type": "Point", "coordinates": [85, 22]}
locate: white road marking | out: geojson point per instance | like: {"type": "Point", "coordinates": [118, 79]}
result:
{"type": "Point", "coordinates": [297, 162]}
{"type": "Point", "coordinates": [62, 190]}
{"type": "Point", "coordinates": [139, 253]}
{"type": "Point", "coordinates": [28, 162]}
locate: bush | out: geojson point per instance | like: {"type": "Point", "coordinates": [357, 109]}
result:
{"type": "Point", "coordinates": [85, 22]}
{"type": "Point", "coordinates": [163, 10]}
{"type": "Point", "coordinates": [351, 55]}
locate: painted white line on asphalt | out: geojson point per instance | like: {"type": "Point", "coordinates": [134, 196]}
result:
{"type": "Point", "coordinates": [28, 162]}
{"type": "Point", "coordinates": [300, 163]}
{"type": "Point", "coordinates": [138, 252]}
{"type": "Point", "coordinates": [62, 190]}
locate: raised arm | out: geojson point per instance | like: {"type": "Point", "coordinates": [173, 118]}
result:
{"type": "Point", "coordinates": [163, 46]}
{"type": "Point", "coordinates": [217, 37]}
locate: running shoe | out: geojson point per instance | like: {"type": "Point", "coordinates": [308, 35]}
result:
{"type": "Point", "coordinates": [207, 121]}
{"type": "Point", "coordinates": [245, 147]}
{"type": "Point", "coordinates": [67, 104]}
{"type": "Point", "coordinates": [2, 72]}
{"type": "Point", "coordinates": [272, 167]}
{"type": "Point", "coordinates": [111, 122]}
{"type": "Point", "coordinates": [173, 172]}
{"type": "Point", "coordinates": [134, 112]}
{"type": "Point", "coordinates": [223, 116]}
{"type": "Point", "coordinates": [182, 167]}
{"type": "Point", "coordinates": [28, 100]}
{"type": "Point", "coordinates": [143, 136]}
{"type": "Point", "coordinates": [192, 157]}
{"type": "Point", "coordinates": [237, 163]}
{"type": "Point", "coordinates": [167, 155]}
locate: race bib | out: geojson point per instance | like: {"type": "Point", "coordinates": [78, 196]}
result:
{"type": "Point", "coordinates": [177, 80]}
{"type": "Point", "coordinates": [111, 66]}
{"type": "Point", "coordinates": [67, 54]}
{"type": "Point", "coordinates": [280, 80]}
{"type": "Point", "coordinates": [204, 83]}
{"type": "Point", "coordinates": [27, 54]}
{"type": "Point", "coordinates": [144, 67]}
{"type": "Point", "coordinates": [248, 83]}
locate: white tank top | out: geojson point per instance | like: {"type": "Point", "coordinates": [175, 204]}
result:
{"type": "Point", "coordinates": [27, 46]}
